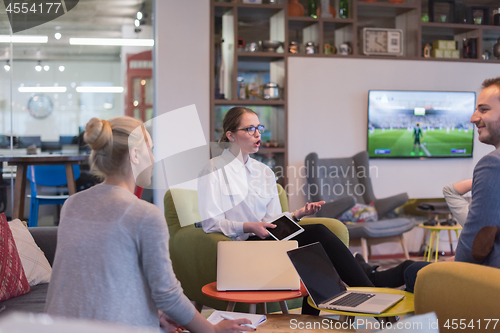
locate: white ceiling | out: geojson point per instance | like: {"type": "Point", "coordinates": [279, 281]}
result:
{"type": "Point", "coordinates": [90, 18]}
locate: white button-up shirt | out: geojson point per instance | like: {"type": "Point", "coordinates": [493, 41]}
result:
{"type": "Point", "coordinates": [231, 193]}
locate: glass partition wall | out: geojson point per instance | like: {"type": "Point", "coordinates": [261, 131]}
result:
{"type": "Point", "coordinates": [95, 60]}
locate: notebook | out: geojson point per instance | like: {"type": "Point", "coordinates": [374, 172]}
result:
{"type": "Point", "coordinates": [327, 290]}
{"type": "Point", "coordinates": [256, 265]}
{"type": "Point", "coordinates": [256, 319]}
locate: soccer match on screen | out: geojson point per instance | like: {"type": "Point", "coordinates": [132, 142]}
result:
{"type": "Point", "coordinates": [420, 124]}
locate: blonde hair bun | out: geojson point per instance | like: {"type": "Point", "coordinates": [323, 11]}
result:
{"type": "Point", "coordinates": [109, 140]}
{"type": "Point", "coordinates": [98, 133]}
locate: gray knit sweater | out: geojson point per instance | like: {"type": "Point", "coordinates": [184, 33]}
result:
{"type": "Point", "coordinates": [484, 209]}
{"type": "Point", "coordinates": [112, 261]}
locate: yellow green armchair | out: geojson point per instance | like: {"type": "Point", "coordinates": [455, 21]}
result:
{"type": "Point", "coordinates": [194, 252]}
{"type": "Point", "coordinates": [459, 293]}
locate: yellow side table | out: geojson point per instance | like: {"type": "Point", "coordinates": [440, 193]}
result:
{"type": "Point", "coordinates": [403, 307]}
{"type": "Point", "coordinates": [435, 235]}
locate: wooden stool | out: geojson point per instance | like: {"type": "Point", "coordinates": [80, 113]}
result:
{"type": "Point", "coordinates": [253, 297]}
{"type": "Point", "coordinates": [435, 229]}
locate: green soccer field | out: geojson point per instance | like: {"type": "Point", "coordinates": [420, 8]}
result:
{"type": "Point", "coordinates": [433, 143]}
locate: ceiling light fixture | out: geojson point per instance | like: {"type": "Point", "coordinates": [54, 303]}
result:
{"type": "Point", "coordinates": [111, 41]}
{"type": "Point", "coordinates": [7, 66]}
{"type": "Point", "coordinates": [57, 35]}
{"type": "Point", "coordinates": [140, 18]}
{"type": "Point", "coordinates": [38, 67]}
{"type": "Point", "coordinates": [114, 90]}
{"type": "Point", "coordinates": [23, 39]}
{"type": "Point", "coordinates": [61, 68]}
{"type": "Point", "coordinates": [46, 68]}
{"type": "Point", "coordinates": [42, 89]}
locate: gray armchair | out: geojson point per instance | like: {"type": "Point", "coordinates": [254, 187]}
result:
{"type": "Point", "coordinates": [342, 182]}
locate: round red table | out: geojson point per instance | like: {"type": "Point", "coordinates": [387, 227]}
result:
{"type": "Point", "coordinates": [253, 297]}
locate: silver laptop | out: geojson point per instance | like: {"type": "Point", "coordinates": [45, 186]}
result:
{"type": "Point", "coordinates": [327, 290]}
{"type": "Point", "coordinates": [256, 265]}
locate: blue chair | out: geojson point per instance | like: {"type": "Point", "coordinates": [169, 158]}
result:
{"type": "Point", "coordinates": [47, 175]}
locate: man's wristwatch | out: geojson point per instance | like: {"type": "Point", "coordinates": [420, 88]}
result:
{"type": "Point", "coordinates": [295, 217]}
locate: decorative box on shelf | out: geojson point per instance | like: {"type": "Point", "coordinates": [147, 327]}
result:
{"type": "Point", "coordinates": [445, 49]}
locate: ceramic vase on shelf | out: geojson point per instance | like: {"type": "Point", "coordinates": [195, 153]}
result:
{"type": "Point", "coordinates": [325, 4]}
{"type": "Point", "coordinates": [333, 13]}
{"type": "Point", "coordinates": [295, 8]}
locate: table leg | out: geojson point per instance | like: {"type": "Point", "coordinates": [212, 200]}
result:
{"type": "Point", "coordinates": [284, 307]}
{"type": "Point", "coordinates": [423, 245]}
{"type": "Point", "coordinates": [427, 255]}
{"type": "Point", "coordinates": [70, 176]}
{"type": "Point", "coordinates": [348, 319]}
{"type": "Point", "coordinates": [19, 192]}
{"type": "Point", "coordinates": [437, 245]}
{"type": "Point", "coordinates": [384, 320]}
{"type": "Point", "coordinates": [451, 243]}
{"type": "Point", "coordinates": [252, 308]}
{"type": "Point", "coordinates": [230, 306]}
{"type": "Point", "coordinates": [198, 306]}
{"type": "Point", "coordinates": [263, 308]}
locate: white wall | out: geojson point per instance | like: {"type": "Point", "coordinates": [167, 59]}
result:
{"type": "Point", "coordinates": [181, 57]}
{"type": "Point", "coordinates": [327, 114]}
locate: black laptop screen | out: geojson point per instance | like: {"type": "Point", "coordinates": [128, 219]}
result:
{"type": "Point", "coordinates": [316, 272]}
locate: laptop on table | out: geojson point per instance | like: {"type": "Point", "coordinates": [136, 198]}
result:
{"type": "Point", "coordinates": [256, 266]}
{"type": "Point", "coordinates": [327, 290]}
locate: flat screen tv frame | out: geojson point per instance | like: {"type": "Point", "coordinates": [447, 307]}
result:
{"type": "Point", "coordinates": [417, 157]}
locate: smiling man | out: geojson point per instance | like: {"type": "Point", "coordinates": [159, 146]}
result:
{"type": "Point", "coordinates": [479, 241]}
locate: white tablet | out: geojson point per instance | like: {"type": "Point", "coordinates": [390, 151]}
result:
{"type": "Point", "coordinates": [286, 228]}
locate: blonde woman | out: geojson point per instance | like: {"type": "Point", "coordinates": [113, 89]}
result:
{"type": "Point", "coordinates": [112, 262]}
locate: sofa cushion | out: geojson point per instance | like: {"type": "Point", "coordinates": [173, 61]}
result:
{"type": "Point", "coordinates": [34, 301]}
{"type": "Point", "coordinates": [360, 213]}
{"type": "Point", "coordinates": [46, 239]}
{"type": "Point", "coordinates": [382, 228]}
{"type": "Point", "coordinates": [13, 281]}
{"type": "Point", "coordinates": [35, 265]}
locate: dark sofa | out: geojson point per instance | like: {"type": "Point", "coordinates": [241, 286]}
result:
{"type": "Point", "coordinates": [34, 301]}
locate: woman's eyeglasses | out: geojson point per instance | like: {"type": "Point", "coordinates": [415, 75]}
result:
{"type": "Point", "coordinates": [251, 129]}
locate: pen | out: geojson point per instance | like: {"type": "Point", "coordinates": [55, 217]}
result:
{"type": "Point", "coordinates": [231, 318]}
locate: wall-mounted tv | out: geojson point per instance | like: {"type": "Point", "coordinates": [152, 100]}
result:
{"type": "Point", "coordinates": [420, 124]}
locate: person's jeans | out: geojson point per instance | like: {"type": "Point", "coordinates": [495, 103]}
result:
{"type": "Point", "coordinates": [411, 274]}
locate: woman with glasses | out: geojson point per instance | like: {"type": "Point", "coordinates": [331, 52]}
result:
{"type": "Point", "coordinates": [237, 196]}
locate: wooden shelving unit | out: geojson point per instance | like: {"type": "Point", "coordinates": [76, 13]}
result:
{"type": "Point", "coordinates": [254, 22]}
{"type": "Point", "coordinates": [246, 102]}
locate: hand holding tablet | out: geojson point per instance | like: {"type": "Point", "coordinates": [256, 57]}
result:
{"type": "Point", "coordinates": [285, 229]}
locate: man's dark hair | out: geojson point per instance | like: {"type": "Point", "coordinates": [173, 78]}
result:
{"type": "Point", "coordinates": [491, 82]}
